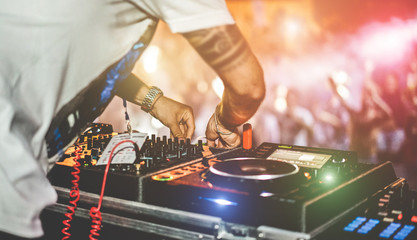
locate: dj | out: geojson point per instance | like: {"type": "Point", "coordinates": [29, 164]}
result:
{"type": "Point", "coordinates": [63, 61]}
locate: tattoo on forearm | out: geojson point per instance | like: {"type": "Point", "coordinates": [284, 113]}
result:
{"type": "Point", "coordinates": [222, 47]}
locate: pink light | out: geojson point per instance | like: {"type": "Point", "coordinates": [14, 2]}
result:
{"type": "Point", "coordinates": [387, 43]}
{"type": "Point", "coordinates": [384, 44]}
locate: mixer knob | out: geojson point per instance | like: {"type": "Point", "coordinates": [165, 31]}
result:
{"type": "Point", "coordinates": [96, 143]}
{"type": "Point", "coordinates": [94, 153]}
{"type": "Point", "coordinates": [194, 150]}
{"type": "Point", "coordinates": [247, 136]}
{"type": "Point", "coordinates": [315, 173]}
{"type": "Point", "coordinates": [164, 152]}
{"type": "Point", "coordinates": [81, 139]}
{"type": "Point", "coordinates": [156, 152]}
{"type": "Point", "coordinates": [175, 144]}
{"type": "Point", "coordinates": [403, 190]}
{"type": "Point", "coordinates": [87, 159]}
{"type": "Point", "coordinates": [103, 145]}
{"type": "Point", "coordinates": [200, 145]}
{"type": "Point", "coordinates": [340, 160]}
{"type": "Point", "coordinates": [170, 145]}
{"type": "Point", "coordinates": [148, 163]}
{"type": "Point", "coordinates": [89, 143]}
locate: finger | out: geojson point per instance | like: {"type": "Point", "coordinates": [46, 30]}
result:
{"type": "Point", "coordinates": [229, 141]}
{"type": "Point", "coordinates": [176, 131]}
{"type": "Point", "coordinates": [211, 143]}
{"type": "Point", "coordinates": [220, 143]}
{"type": "Point", "coordinates": [183, 129]}
{"type": "Point", "coordinates": [234, 144]}
{"type": "Point", "coordinates": [211, 133]}
{"type": "Point", "coordinates": [224, 142]}
{"type": "Point", "coordinates": [190, 127]}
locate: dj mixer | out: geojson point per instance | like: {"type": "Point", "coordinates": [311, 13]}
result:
{"type": "Point", "coordinates": [155, 154]}
{"type": "Point", "coordinates": [273, 191]}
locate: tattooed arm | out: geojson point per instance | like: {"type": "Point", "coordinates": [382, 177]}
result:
{"type": "Point", "coordinates": [176, 116]}
{"type": "Point", "coordinates": [227, 52]}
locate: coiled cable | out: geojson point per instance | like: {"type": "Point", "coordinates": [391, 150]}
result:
{"type": "Point", "coordinates": [95, 213]}
{"type": "Point", "coordinates": [74, 194]}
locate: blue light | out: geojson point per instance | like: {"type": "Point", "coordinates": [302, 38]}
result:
{"type": "Point", "coordinates": [224, 202]}
{"type": "Point", "coordinates": [220, 201]}
{"type": "Point", "coordinates": [354, 224]}
{"type": "Point", "coordinates": [266, 194]}
{"type": "Point", "coordinates": [388, 231]}
{"type": "Point", "coordinates": [404, 232]}
{"type": "Point", "coordinates": [349, 229]}
{"type": "Point", "coordinates": [368, 226]}
{"type": "Point", "coordinates": [138, 45]}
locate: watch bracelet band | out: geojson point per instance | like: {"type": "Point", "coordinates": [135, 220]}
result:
{"type": "Point", "coordinates": [153, 94]}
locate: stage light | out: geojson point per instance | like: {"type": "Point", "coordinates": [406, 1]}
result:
{"type": "Point", "coordinates": [280, 104]}
{"type": "Point", "coordinates": [292, 28]}
{"type": "Point", "coordinates": [343, 91]}
{"type": "Point", "coordinates": [218, 87]}
{"type": "Point", "coordinates": [388, 43]}
{"type": "Point", "coordinates": [266, 194]}
{"type": "Point", "coordinates": [150, 59]}
{"type": "Point", "coordinates": [329, 178]}
{"type": "Point", "coordinates": [340, 77]}
{"type": "Point", "coordinates": [384, 44]}
{"type": "Point", "coordinates": [224, 202]}
{"type": "Point", "coordinates": [220, 201]}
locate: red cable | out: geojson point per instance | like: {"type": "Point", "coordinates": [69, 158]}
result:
{"type": "Point", "coordinates": [74, 194]}
{"type": "Point", "coordinates": [95, 213]}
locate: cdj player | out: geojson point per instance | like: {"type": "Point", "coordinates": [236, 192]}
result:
{"type": "Point", "coordinates": [274, 191]}
{"type": "Point", "coordinates": [295, 188]}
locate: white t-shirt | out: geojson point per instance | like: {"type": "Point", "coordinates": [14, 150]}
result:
{"type": "Point", "coordinates": [49, 51]}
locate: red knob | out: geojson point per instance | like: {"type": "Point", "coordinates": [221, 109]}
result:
{"type": "Point", "coordinates": [247, 136]}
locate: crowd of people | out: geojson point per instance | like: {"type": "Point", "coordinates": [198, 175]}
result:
{"type": "Point", "coordinates": [382, 126]}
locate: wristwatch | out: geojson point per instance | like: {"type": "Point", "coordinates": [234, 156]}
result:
{"type": "Point", "coordinates": [150, 98]}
